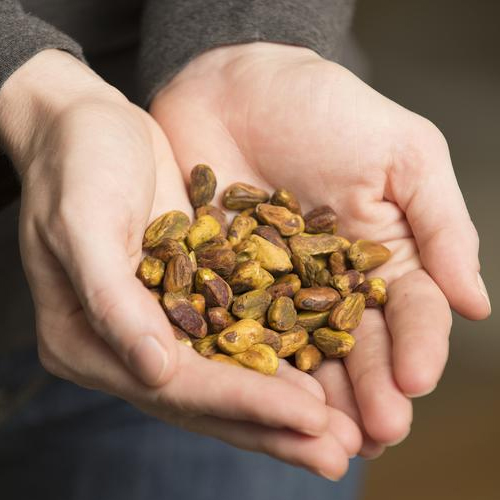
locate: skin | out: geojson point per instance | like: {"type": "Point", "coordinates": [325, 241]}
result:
{"type": "Point", "coordinates": [279, 116]}
{"type": "Point", "coordinates": [96, 169]}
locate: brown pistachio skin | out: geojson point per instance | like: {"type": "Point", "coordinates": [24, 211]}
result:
{"type": "Point", "coordinates": [167, 249]}
{"type": "Point", "coordinates": [311, 320]}
{"type": "Point", "coordinates": [219, 318]}
{"type": "Point", "coordinates": [316, 298]}
{"type": "Point", "coordinates": [285, 286]}
{"type": "Point", "coordinates": [207, 346]}
{"type": "Point", "coordinates": [281, 314]}
{"type": "Point", "coordinates": [286, 222]}
{"type": "Point", "coordinates": [308, 358]}
{"type": "Point", "coordinates": [272, 235]}
{"type": "Point", "coordinates": [292, 340]}
{"type": "Point", "coordinates": [323, 278]}
{"type": "Point", "coordinates": [216, 291]}
{"type": "Point", "coordinates": [374, 291]}
{"type": "Point", "coordinates": [202, 185]}
{"type": "Point", "coordinates": [306, 268]}
{"type": "Point", "coordinates": [314, 244]}
{"type": "Point", "coordinates": [332, 343]}
{"type": "Point", "coordinates": [347, 281]}
{"type": "Point", "coordinates": [366, 255]}
{"type": "Point", "coordinates": [259, 357]}
{"type": "Point", "coordinates": [217, 214]}
{"type": "Point", "coordinates": [220, 260]}
{"type": "Point", "coordinates": [252, 305]}
{"type": "Point", "coordinates": [272, 338]}
{"type": "Point", "coordinates": [239, 336]}
{"type": "Point", "coordinates": [346, 315]}
{"type": "Point", "coordinates": [178, 274]}
{"type": "Point", "coordinates": [171, 225]}
{"type": "Point", "coordinates": [151, 271]}
{"type": "Point", "coordinates": [322, 219]}
{"type": "Point", "coordinates": [239, 196]}
{"type": "Point", "coordinates": [240, 229]}
{"type": "Point", "coordinates": [337, 262]}
{"type": "Point", "coordinates": [249, 275]}
{"type": "Point", "coordinates": [283, 198]}
{"type": "Point", "coordinates": [184, 315]}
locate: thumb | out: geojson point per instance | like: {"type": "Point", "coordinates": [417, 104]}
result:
{"type": "Point", "coordinates": [119, 308]}
{"type": "Point", "coordinates": [425, 187]}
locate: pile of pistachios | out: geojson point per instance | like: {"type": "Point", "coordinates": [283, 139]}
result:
{"type": "Point", "coordinates": [273, 283]}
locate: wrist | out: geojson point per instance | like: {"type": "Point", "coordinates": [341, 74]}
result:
{"type": "Point", "coordinates": [41, 89]}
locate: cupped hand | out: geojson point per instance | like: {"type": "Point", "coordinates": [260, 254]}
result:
{"type": "Point", "coordinates": [95, 171]}
{"type": "Point", "coordinates": [281, 116]}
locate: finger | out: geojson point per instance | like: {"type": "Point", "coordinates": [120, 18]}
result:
{"type": "Point", "coordinates": [338, 389]}
{"type": "Point", "coordinates": [296, 377]}
{"type": "Point", "coordinates": [322, 455]}
{"type": "Point", "coordinates": [419, 319]}
{"type": "Point", "coordinates": [424, 185]}
{"type": "Point", "coordinates": [385, 410]}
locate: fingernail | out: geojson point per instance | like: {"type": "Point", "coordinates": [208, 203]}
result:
{"type": "Point", "coordinates": [328, 476]}
{"type": "Point", "coordinates": [482, 289]}
{"type": "Point", "coordinates": [148, 359]}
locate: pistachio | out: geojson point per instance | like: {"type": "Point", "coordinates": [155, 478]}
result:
{"type": "Point", "coordinates": [337, 262]}
{"type": "Point", "coordinates": [366, 255]}
{"type": "Point", "coordinates": [252, 305]}
{"type": "Point", "coordinates": [240, 229]}
{"type": "Point", "coordinates": [216, 291]}
{"type": "Point", "coordinates": [167, 249]}
{"type": "Point", "coordinates": [181, 336]}
{"type": "Point", "coordinates": [345, 244]}
{"type": "Point", "coordinates": [239, 336]}
{"type": "Point", "coordinates": [333, 344]}
{"type": "Point", "coordinates": [308, 358]}
{"type": "Point", "coordinates": [314, 244]}
{"type": "Point", "coordinates": [173, 225]}
{"type": "Point", "coordinates": [151, 271]}
{"type": "Point", "coordinates": [249, 275]}
{"type": "Point", "coordinates": [322, 278]}
{"type": "Point", "coordinates": [202, 185]}
{"type": "Point", "coordinates": [246, 250]}
{"type": "Point", "coordinates": [217, 214]}
{"type": "Point", "coordinates": [224, 358]}
{"type": "Point", "coordinates": [219, 318]}
{"type": "Point", "coordinates": [374, 291]}
{"type": "Point", "coordinates": [203, 229]}
{"type": "Point", "coordinates": [240, 196]}
{"type": "Point", "coordinates": [183, 314]}
{"type": "Point", "coordinates": [220, 260]}
{"type": "Point", "coordinates": [347, 281]}
{"type": "Point", "coordinates": [194, 263]}
{"type": "Point", "coordinates": [178, 274]}
{"type": "Point", "coordinates": [316, 298]}
{"type": "Point", "coordinates": [306, 268]}
{"type": "Point", "coordinates": [322, 219]}
{"type": "Point", "coordinates": [217, 243]}
{"type": "Point", "coordinates": [272, 235]}
{"type": "Point", "coordinates": [286, 222]}
{"type": "Point", "coordinates": [271, 258]}
{"type": "Point", "coordinates": [287, 285]}
{"type": "Point", "coordinates": [346, 315]}
{"type": "Point", "coordinates": [281, 314]}
{"type": "Point", "coordinates": [311, 320]}
{"type": "Point", "coordinates": [272, 338]}
{"type": "Point", "coordinates": [292, 340]}
{"type": "Point", "coordinates": [207, 345]}
{"type": "Point", "coordinates": [259, 357]}
{"type": "Point", "coordinates": [283, 198]}
{"type": "Point", "coordinates": [198, 302]}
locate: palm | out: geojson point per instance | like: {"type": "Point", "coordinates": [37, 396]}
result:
{"type": "Point", "coordinates": [317, 130]}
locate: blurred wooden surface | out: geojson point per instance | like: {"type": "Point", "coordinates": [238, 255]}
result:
{"type": "Point", "coordinates": [441, 59]}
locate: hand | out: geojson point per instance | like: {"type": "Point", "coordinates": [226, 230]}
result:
{"type": "Point", "coordinates": [95, 170]}
{"type": "Point", "coordinates": [280, 116]}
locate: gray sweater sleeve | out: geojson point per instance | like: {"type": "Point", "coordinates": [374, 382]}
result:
{"type": "Point", "coordinates": [176, 31]}
{"type": "Point", "coordinates": [22, 36]}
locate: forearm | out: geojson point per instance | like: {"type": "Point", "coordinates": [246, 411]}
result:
{"type": "Point", "coordinates": [174, 32]}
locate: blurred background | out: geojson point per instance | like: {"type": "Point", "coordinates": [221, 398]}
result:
{"type": "Point", "coordinates": [441, 60]}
